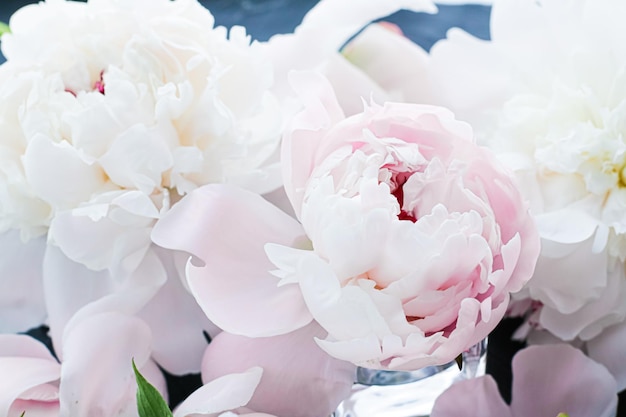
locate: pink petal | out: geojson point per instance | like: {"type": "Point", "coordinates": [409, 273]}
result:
{"type": "Point", "coordinates": [34, 408]}
{"type": "Point", "coordinates": [294, 367]}
{"type": "Point", "coordinates": [553, 379]}
{"type": "Point", "coordinates": [321, 112]}
{"type": "Point", "coordinates": [470, 398]}
{"type": "Point", "coordinates": [97, 376]}
{"type": "Point", "coordinates": [22, 372]}
{"type": "Point", "coordinates": [23, 307]}
{"type": "Point", "coordinates": [227, 229]}
{"type": "Point", "coordinates": [18, 345]}
{"type": "Point", "coordinates": [41, 399]}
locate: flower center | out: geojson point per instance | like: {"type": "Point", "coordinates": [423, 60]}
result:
{"type": "Point", "coordinates": [99, 85]}
{"type": "Point", "coordinates": [399, 180]}
{"type": "Point", "coordinates": [622, 177]}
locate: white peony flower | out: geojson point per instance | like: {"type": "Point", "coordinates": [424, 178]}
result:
{"type": "Point", "coordinates": [114, 109]}
{"type": "Point", "coordinates": [110, 111]}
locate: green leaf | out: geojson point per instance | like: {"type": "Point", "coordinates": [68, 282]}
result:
{"type": "Point", "coordinates": [562, 415]}
{"type": "Point", "coordinates": [150, 403]}
{"type": "Point", "coordinates": [4, 28]}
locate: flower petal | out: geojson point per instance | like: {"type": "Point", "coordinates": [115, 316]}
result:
{"type": "Point", "coordinates": [327, 27]}
{"type": "Point", "coordinates": [293, 367]}
{"type": "Point", "coordinates": [394, 62]}
{"type": "Point", "coordinates": [97, 375]}
{"type": "Point", "coordinates": [589, 320]}
{"type": "Point", "coordinates": [321, 111]}
{"type": "Point", "coordinates": [174, 315]}
{"type": "Point", "coordinates": [472, 397]}
{"type": "Point", "coordinates": [226, 228]}
{"type": "Point", "coordinates": [42, 160]}
{"type": "Point", "coordinates": [24, 346]}
{"type": "Point", "coordinates": [222, 394]}
{"type": "Point", "coordinates": [23, 365]}
{"type": "Point", "coordinates": [553, 379]}
{"type": "Point", "coordinates": [21, 308]}
{"type": "Point", "coordinates": [568, 283]}
{"type": "Point", "coordinates": [74, 292]}
{"type": "Point", "coordinates": [602, 349]}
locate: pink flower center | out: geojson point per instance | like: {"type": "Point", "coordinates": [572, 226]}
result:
{"type": "Point", "coordinates": [399, 179]}
{"type": "Point", "coordinates": [99, 85]}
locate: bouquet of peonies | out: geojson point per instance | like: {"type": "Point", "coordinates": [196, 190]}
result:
{"type": "Point", "coordinates": [176, 198]}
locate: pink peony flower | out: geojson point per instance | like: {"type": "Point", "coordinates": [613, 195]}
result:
{"type": "Point", "coordinates": [410, 237]}
{"type": "Point", "coordinates": [547, 380]}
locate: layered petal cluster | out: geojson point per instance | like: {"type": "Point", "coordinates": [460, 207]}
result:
{"type": "Point", "coordinates": [410, 239]}
{"type": "Point", "coordinates": [113, 109]}
{"type": "Point", "coordinates": [547, 381]}
{"type": "Point", "coordinates": [547, 94]}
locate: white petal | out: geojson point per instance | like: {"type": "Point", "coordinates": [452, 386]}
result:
{"type": "Point", "coordinates": [222, 394]}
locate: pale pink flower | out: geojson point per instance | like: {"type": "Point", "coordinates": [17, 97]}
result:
{"type": "Point", "coordinates": [409, 242]}
{"type": "Point", "coordinates": [547, 380]}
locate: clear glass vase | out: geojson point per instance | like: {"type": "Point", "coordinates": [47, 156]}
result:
{"type": "Point", "coordinates": [379, 393]}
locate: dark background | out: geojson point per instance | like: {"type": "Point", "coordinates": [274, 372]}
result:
{"type": "Point", "coordinates": [263, 18]}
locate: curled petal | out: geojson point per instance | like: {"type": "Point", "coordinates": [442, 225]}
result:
{"type": "Point", "coordinates": [222, 394]}
{"type": "Point", "coordinates": [236, 271]}
{"type": "Point", "coordinates": [24, 366]}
